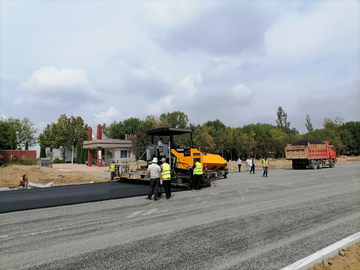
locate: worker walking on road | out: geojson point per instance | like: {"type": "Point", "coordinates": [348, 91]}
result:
{"type": "Point", "coordinates": [24, 180]}
{"type": "Point", "coordinates": [252, 165]}
{"type": "Point", "coordinates": [166, 177]}
{"type": "Point", "coordinates": [239, 164]}
{"type": "Point", "coordinates": [248, 164]}
{"type": "Point", "coordinates": [265, 163]}
{"type": "Point", "coordinates": [112, 171]}
{"type": "Point", "coordinates": [197, 176]}
{"type": "Point", "coordinates": [155, 176]}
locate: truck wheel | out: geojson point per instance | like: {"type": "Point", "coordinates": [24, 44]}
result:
{"type": "Point", "coordinates": [332, 163]}
{"type": "Point", "coordinates": [319, 164]}
{"type": "Point", "coordinates": [313, 165]}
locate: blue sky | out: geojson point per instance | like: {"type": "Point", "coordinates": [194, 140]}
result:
{"type": "Point", "coordinates": [236, 61]}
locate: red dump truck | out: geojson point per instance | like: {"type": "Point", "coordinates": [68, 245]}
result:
{"type": "Point", "coordinates": [311, 153]}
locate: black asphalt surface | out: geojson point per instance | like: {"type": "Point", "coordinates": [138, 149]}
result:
{"type": "Point", "coordinates": [18, 200]}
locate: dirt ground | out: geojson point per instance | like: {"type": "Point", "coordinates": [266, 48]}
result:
{"type": "Point", "coordinates": [349, 260]}
{"type": "Point", "coordinates": [69, 174]}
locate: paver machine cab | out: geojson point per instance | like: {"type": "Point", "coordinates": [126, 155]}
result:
{"type": "Point", "coordinates": [182, 160]}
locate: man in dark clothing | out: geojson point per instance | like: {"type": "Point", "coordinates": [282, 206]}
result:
{"type": "Point", "coordinates": [252, 165]}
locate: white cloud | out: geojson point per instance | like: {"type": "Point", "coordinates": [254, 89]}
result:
{"type": "Point", "coordinates": [190, 82]}
{"type": "Point", "coordinates": [107, 117]}
{"type": "Point", "coordinates": [241, 90]}
{"type": "Point", "coordinates": [50, 78]}
{"type": "Point", "coordinates": [160, 106]}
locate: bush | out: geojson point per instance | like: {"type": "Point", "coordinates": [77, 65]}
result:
{"type": "Point", "coordinates": [56, 160]}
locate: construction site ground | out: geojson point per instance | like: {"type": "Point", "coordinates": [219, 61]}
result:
{"type": "Point", "coordinates": [69, 174]}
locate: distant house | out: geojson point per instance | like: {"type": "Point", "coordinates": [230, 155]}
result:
{"type": "Point", "coordinates": [108, 150]}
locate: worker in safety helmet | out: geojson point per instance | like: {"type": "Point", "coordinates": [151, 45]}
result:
{"type": "Point", "coordinates": [197, 175]}
{"type": "Point", "coordinates": [112, 171]}
{"type": "Point", "coordinates": [23, 181]}
{"type": "Point", "coordinates": [166, 177]}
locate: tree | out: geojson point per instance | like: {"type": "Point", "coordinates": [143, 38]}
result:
{"type": "Point", "coordinates": [120, 129]}
{"type": "Point", "coordinates": [281, 120]}
{"type": "Point", "coordinates": [141, 142]}
{"type": "Point", "coordinates": [5, 138]}
{"type": "Point", "coordinates": [328, 123]}
{"type": "Point", "coordinates": [174, 120]}
{"type": "Point", "coordinates": [19, 133]}
{"type": "Point", "coordinates": [248, 142]}
{"type": "Point", "coordinates": [308, 124]}
{"type": "Point", "coordinates": [203, 139]}
{"type": "Point", "coordinates": [237, 142]}
{"type": "Point", "coordinates": [65, 132]}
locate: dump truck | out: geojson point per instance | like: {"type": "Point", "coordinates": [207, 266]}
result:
{"type": "Point", "coordinates": [312, 154]}
{"type": "Point", "coordinates": [181, 160]}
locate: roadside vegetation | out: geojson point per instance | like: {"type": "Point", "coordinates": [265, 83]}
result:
{"type": "Point", "coordinates": [212, 136]}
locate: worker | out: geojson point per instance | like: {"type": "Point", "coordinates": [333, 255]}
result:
{"type": "Point", "coordinates": [239, 162]}
{"type": "Point", "coordinates": [23, 181]}
{"type": "Point", "coordinates": [265, 163]}
{"type": "Point", "coordinates": [155, 177]}
{"type": "Point", "coordinates": [112, 171]}
{"type": "Point", "coordinates": [166, 177]}
{"type": "Point", "coordinates": [197, 175]}
{"type": "Point", "coordinates": [160, 143]}
{"type": "Point", "coordinates": [248, 164]}
{"type": "Point", "coordinates": [252, 165]}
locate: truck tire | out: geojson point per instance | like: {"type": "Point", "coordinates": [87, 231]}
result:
{"type": "Point", "coordinates": [332, 163]}
{"type": "Point", "coordinates": [319, 164]}
{"type": "Point", "coordinates": [313, 165]}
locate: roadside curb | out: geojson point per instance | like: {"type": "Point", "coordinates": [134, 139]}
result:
{"type": "Point", "coordinates": [325, 253]}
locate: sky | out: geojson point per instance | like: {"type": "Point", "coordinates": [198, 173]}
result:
{"type": "Point", "coordinates": [235, 61]}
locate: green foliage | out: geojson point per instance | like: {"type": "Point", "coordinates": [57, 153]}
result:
{"type": "Point", "coordinates": [120, 129]}
{"type": "Point", "coordinates": [56, 161]}
{"type": "Point", "coordinates": [281, 120]}
{"type": "Point", "coordinates": [16, 132]}
{"type": "Point", "coordinates": [142, 141]}
{"type": "Point", "coordinates": [174, 120]}
{"type": "Point", "coordinates": [203, 139]}
{"type": "Point", "coordinates": [64, 132]}
{"type": "Point", "coordinates": [308, 124]}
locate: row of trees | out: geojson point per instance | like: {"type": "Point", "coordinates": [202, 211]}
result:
{"type": "Point", "coordinates": [254, 139]}
{"type": "Point", "coordinates": [213, 136]}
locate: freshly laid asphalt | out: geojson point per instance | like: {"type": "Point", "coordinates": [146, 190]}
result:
{"type": "Point", "coordinates": [18, 200]}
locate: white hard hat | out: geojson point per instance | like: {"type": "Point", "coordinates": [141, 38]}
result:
{"type": "Point", "coordinates": [163, 159]}
{"type": "Point", "coordinates": [155, 160]}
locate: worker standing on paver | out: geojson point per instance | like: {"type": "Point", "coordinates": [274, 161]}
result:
{"type": "Point", "coordinates": [265, 163]}
{"type": "Point", "coordinates": [197, 176]}
{"type": "Point", "coordinates": [24, 180]}
{"type": "Point", "coordinates": [166, 177]}
{"type": "Point", "coordinates": [155, 176]}
{"type": "Point", "coordinates": [112, 171]}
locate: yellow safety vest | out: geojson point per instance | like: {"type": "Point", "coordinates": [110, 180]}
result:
{"type": "Point", "coordinates": [112, 168]}
{"type": "Point", "coordinates": [265, 162]}
{"type": "Point", "coordinates": [198, 168]}
{"type": "Point", "coordinates": [165, 172]}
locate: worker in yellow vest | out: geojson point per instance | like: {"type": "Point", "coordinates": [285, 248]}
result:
{"type": "Point", "coordinates": [265, 163]}
{"type": "Point", "coordinates": [112, 171]}
{"type": "Point", "coordinates": [24, 180]}
{"type": "Point", "coordinates": [197, 176]}
{"type": "Point", "coordinates": [166, 177]}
